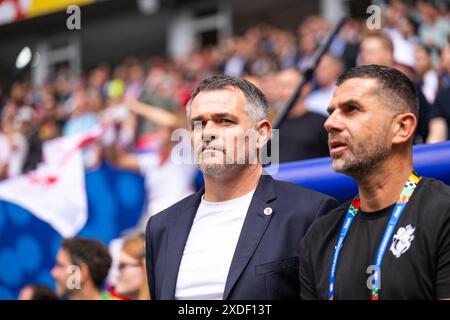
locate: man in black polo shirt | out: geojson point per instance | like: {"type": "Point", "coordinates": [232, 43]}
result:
{"type": "Point", "coordinates": [392, 241]}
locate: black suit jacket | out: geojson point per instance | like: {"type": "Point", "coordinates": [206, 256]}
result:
{"type": "Point", "coordinates": [265, 262]}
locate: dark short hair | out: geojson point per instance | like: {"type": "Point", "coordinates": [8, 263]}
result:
{"type": "Point", "coordinates": [254, 96]}
{"type": "Point", "coordinates": [42, 292]}
{"type": "Point", "coordinates": [91, 252]}
{"type": "Point", "coordinates": [393, 84]}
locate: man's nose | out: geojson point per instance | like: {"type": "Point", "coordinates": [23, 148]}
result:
{"type": "Point", "coordinates": [53, 272]}
{"type": "Point", "coordinates": [209, 132]}
{"type": "Point", "coordinates": [333, 123]}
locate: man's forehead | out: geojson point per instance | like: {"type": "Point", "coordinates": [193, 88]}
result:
{"type": "Point", "coordinates": [218, 100]}
{"type": "Point", "coordinates": [355, 89]}
{"type": "Point", "coordinates": [225, 93]}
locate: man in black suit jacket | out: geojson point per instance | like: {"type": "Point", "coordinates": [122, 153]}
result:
{"type": "Point", "coordinates": [239, 236]}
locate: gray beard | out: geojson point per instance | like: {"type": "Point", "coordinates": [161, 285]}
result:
{"type": "Point", "coordinates": [216, 169]}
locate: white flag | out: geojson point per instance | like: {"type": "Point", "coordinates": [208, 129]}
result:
{"type": "Point", "coordinates": [55, 192]}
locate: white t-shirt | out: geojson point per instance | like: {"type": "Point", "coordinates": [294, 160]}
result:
{"type": "Point", "coordinates": [210, 248]}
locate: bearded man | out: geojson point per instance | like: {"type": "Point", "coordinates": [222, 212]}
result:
{"type": "Point", "coordinates": [239, 236]}
{"type": "Point", "coordinates": [392, 241]}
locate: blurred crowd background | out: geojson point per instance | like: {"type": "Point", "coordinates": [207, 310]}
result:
{"type": "Point", "coordinates": [145, 97]}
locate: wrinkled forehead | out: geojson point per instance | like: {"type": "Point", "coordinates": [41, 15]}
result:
{"type": "Point", "coordinates": [356, 89]}
{"type": "Point", "coordinates": [228, 99]}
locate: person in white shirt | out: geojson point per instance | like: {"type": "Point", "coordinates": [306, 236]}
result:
{"type": "Point", "coordinates": [328, 70]}
{"type": "Point", "coordinates": [238, 237]}
{"type": "Point", "coordinates": [425, 73]}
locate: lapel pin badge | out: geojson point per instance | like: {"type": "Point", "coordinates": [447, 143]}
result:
{"type": "Point", "coordinates": [268, 211]}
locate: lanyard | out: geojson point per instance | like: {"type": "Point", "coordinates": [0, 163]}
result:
{"type": "Point", "coordinates": [405, 195]}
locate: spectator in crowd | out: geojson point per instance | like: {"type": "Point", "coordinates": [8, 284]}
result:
{"type": "Point", "coordinates": [406, 35]}
{"type": "Point", "coordinates": [116, 110]}
{"type": "Point", "coordinates": [135, 79]}
{"type": "Point", "coordinates": [395, 10]}
{"type": "Point", "coordinates": [376, 48]}
{"type": "Point", "coordinates": [302, 135]}
{"type": "Point", "coordinates": [18, 145]}
{"type": "Point", "coordinates": [18, 94]}
{"type": "Point", "coordinates": [5, 152]}
{"type": "Point", "coordinates": [159, 168]}
{"type": "Point", "coordinates": [444, 66]}
{"type": "Point", "coordinates": [426, 76]}
{"type": "Point", "coordinates": [2, 98]}
{"type": "Point", "coordinates": [13, 144]}
{"type": "Point", "coordinates": [402, 31]}
{"type": "Point", "coordinates": [439, 116]}
{"type": "Point", "coordinates": [237, 63]}
{"type": "Point", "coordinates": [258, 53]}
{"type": "Point", "coordinates": [63, 86]}
{"type": "Point", "coordinates": [158, 91]}
{"type": "Point", "coordinates": [82, 118]}
{"type": "Point", "coordinates": [261, 52]}
{"type": "Point", "coordinates": [37, 292]}
{"type": "Point", "coordinates": [98, 79]}
{"type": "Point", "coordinates": [309, 33]}
{"type": "Point", "coordinates": [132, 278]}
{"type": "Point", "coordinates": [46, 125]}
{"type": "Point", "coordinates": [286, 50]}
{"type": "Point", "coordinates": [80, 270]}
{"type": "Point", "coordinates": [434, 29]}
{"type": "Point", "coordinates": [346, 43]}
{"type": "Point", "coordinates": [427, 85]}
{"type": "Point", "coordinates": [328, 70]}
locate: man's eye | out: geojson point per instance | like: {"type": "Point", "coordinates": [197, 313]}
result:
{"type": "Point", "coordinates": [225, 121]}
{"type": "Point", "coordinates": [352, 109]}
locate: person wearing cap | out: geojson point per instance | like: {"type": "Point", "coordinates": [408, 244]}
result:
{"type": "Point", "coordinates": [238, 237]}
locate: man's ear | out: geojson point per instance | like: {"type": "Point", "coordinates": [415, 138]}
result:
{"type": "Point", "coordinates": [404, 126]}
{"type": "Point", "coordinates": [264, 129]}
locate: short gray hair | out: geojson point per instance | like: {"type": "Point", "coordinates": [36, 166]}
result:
{"type": "Point", "coordinates": [256, 107]}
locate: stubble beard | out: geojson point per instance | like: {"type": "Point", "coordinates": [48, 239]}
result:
{"type": "Point", "coordinates": [362, 159]}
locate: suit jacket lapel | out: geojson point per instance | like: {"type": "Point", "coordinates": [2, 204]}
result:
{"type": "Point", "coordinates": [255, 224]}
{"type": "Point", "coordinates": [177, 237]}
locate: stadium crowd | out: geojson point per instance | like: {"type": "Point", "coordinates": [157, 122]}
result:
{"type": "Point", "coordinates": [146, 96]}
